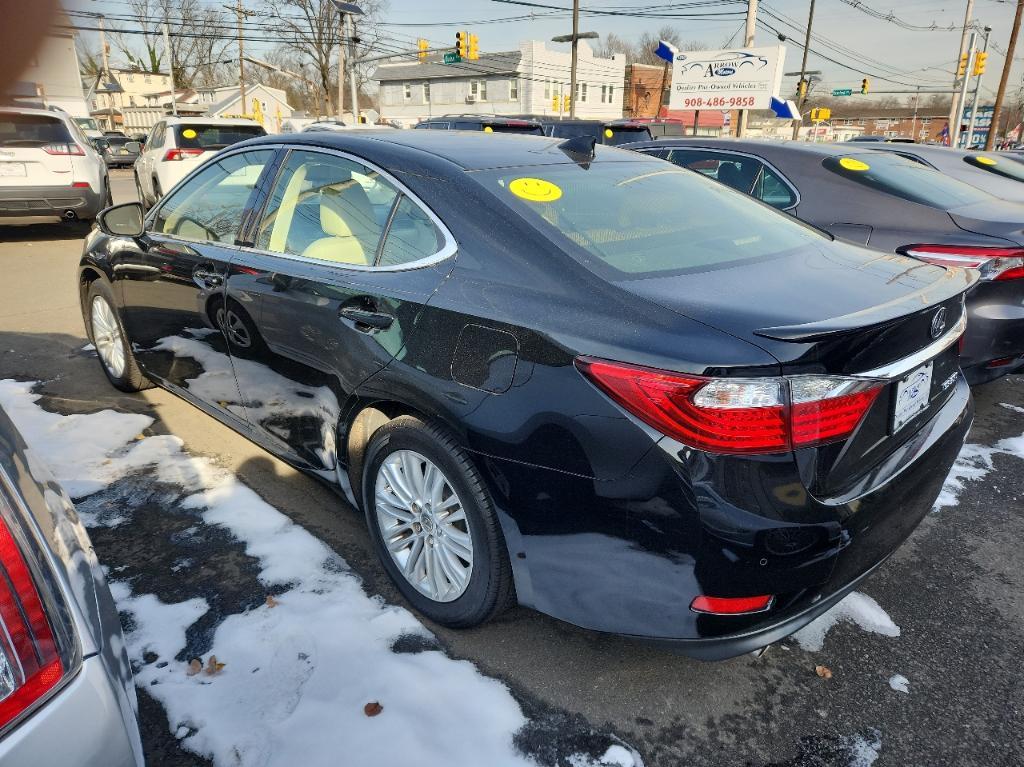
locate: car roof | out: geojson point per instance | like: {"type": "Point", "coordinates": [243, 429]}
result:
{"type": "Point", "coordinates": [753, 146]}
{"type": "Point", "coordinates": [61, 115]}
{"type": "Point", "coordinates": [480, 118]}
{"type": "Point", "coordinates": [209, 121]}
{"type": "Point", "coordinates": [470, 150]}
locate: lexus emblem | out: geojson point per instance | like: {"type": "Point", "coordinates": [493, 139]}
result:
{"type": "Point", "coordinates": [938, 322]}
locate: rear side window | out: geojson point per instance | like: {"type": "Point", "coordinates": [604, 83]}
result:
{"type": "Point", "coordinates": [644, 218]}
{"type": "Point", "coordinates": [997, 165]}
{"type": "Point", "coordinates": [912, 181]}
{"type": "Point", "coordinates": [743, 173]}
{"type": "Point", "coordinates": [32, 130]}
{"type": "Point", "coordinates": [214, 136]}
{"type": "Point", "coordinates": [209, 206]}
{"type": "Point", "coordinates": [411, 236]}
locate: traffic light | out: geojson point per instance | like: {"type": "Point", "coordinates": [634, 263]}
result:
{"type": "Point", "coordinates": [568, 102]}
{"type": "Point", "coordinates": [961, 69]}
{"type": "Point", "coordinates": [979, 63]}
{"type": "Point", "coordinates": [423, 45]}
{"type": "Point", "coordinates": [865, 85]}
{"type": "Point", "coordinates": [474, 46]}
{"type": "Point", "coordinates": [461, 44]}
{"type": "Point", "coordinates": [801, 89]}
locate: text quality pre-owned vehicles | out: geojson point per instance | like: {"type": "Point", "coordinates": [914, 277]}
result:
{"type": "Point", "coordinates": [890, 203]}
{"type": "Point", "coordinates": [178, 145]}
{"type": "Point", "coordinates": [48, 167]}
{"type": "Point", "coordinates": [575, 377]}
{"type": "Point", "coordinates": [66, 692]}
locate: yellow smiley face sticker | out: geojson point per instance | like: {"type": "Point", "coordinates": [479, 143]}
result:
{"type": "Point", "coordinates": [850, 164]}
{"type": "Point", "coordinates": [189, 133]}
{"type": "Point", "coordinates": [488, 129]}
{"type": "Point", "coordinates": [535, 189]}
{"type": "Point", "coordinates": [985, 160]}
{"type": "Point", "coordinates": [608, 133]}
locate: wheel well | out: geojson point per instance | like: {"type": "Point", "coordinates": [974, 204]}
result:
{"type": "Point", "coordinates": [369, 417]}
{"type": "Point", "coordinates": [85, 280]}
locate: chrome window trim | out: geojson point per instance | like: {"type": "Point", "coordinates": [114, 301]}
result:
{"type": "Point", "coordinates": [782, 176]}
{"type": "Point", "coordinates": [900, 368]}
{"type": "Point", "coordinates": [449, 248]}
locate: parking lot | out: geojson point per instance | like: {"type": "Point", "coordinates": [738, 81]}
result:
{"type": "Point", "coordinates": [919, 667]}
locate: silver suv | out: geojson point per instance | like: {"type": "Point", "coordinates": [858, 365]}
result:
{"type": "Point", "coordinates": [48, 167]}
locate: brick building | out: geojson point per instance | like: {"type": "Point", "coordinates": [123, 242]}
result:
{"type": "Point", "coordinates": [646, 97]}
{"type": "Point", "coordinates": [926, 125]}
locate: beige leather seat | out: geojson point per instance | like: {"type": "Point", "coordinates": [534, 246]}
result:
{"type": "Point", "coordinates": [351, 229]}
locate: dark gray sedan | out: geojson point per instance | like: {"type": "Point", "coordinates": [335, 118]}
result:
{"type": "Point", "coordinates": [989, 171]}
{"type": "Point", "coordinates": [888, 202]}
{"type": "Point", "coordinates": [66, 692]}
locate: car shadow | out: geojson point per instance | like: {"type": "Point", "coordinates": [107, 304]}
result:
{"type": "Point", "coordinates": [42, 229]}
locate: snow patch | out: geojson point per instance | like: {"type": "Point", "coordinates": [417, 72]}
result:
{"type": "Point", "coordinates": [855, 607]}
{"type": "Point", "coordinates": [974, 463]}
{"type": "Point", "coordinates": [899, 683]}
{"type": "Point", "coordinates": [864, 751]}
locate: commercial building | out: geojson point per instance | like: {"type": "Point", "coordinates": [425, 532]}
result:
{"type": "Point", "coordinates": [52, 77]}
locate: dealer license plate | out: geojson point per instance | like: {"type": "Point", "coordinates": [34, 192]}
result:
{"type": "Point", "coordinates": [912, 396]}
{"type": "Point", "coordinates": [12, 169]}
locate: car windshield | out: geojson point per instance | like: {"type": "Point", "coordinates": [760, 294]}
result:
{"type": "Point", "coordinates": [214, 136]}
{"type": "Point", "coordinates": [641, 219]}
{"type": "Point", "coordinates": [997, 165]}
{"type": "Point", "coordinates": [905, 178]}
{"type": "Point", "coordinates": [31, 130]}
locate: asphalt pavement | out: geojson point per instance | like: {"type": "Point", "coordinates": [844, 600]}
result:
{"type": "Point", "coordinates": [956, 591]}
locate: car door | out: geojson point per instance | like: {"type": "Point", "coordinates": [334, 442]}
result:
{"type": "Point", "coordinates": [325, 294]}
{"type": "Point", "coordinates": [171, 279]}
{"type": "Point", "coordinates": [145, 162]}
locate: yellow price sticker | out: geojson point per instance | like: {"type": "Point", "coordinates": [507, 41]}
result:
{"type": "Point", "coordinates": [535, 189]}
{"type": "Point", "coordinates": [488, 129]}
{"type": "Point", "coordinates": [985, 160]}
{"type": "Point", "coordinates": [850, 164]}
{"type": "Point", "coordinates": [608, 133]}
{"type": "Point", "coordinates": [189, 133]}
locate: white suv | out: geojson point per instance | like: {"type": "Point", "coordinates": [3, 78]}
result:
{"type": "Point", "coordinates": [48, 167]}
{"type": "Point", "coordinates": [177, 145]}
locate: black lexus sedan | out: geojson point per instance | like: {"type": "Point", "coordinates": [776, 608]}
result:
{"type": "Point", "coordinates": [883, 200]}
{"type": "Point", "coordinates": [550, 372]}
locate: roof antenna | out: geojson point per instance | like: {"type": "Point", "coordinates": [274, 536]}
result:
{"type": "Point", "coordinates": [580, 149]}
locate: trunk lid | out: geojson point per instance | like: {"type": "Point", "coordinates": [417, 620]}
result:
{"type": "Point", "coordinates": [994, 218]}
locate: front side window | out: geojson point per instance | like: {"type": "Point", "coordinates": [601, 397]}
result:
{"type": "Point", "coordinates": [210, 205]}
{"type": "Point", "coordinates": [912, 181]}
{"type": "Point", "coordinates": [337, 210]}
{"type": "Point", "coordinates": [627, 219]}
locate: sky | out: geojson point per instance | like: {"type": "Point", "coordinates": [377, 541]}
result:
{"type": "Point", "coordinates": [860, 44]}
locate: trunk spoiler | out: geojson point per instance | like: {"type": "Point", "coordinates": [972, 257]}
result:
{"type": "Point", "coordinates": [954, 281]}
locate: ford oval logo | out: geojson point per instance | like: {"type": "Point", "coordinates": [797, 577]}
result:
{"type": "Point", "coordinates": [938, 322]}
{"type": "Point", "coordinates": [725, 71]}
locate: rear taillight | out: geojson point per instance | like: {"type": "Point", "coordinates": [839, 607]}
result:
{"type": "Point", "coordinates": [30, 664]}
{"type": "Point", "coordinates": [180, 154]}
{"type": "Point", "coordinates": [731, 605]}
{"type": "Point", "coordinates": [64, 149]}
{"type": "Point", "coordinates": [739, 416]}
{"type": "Point", "coordinates": [993, 263]}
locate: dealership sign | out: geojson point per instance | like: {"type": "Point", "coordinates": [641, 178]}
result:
{"type": "Point", "coordinates": [741, 78]}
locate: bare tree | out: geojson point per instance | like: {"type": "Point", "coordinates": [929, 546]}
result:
{"type": "Point", "coordinates": [642, 51]}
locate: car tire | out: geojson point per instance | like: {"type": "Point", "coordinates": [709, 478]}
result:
{"type": "Point", "coordinates": [111, 341]}
{"type": "Point", "coordinates": [408, 444]}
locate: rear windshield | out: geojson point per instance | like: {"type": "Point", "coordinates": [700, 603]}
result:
{"type": "Point", "coordinates": [644, 218]}
{"type": "Point", "coordinates": [622, 134]}
{"type": "Point", "coordinates": [31, 130]}
{"type": "Point", "coordinates": [529, 128]}
{"type": "Point", "coordinates": [117, 140]}
{"type": "Point", "coordinates": [912, 181]}
{"type": "Point", "coordinates": [572, 130]}
{"type": "Point", "coordinates": [997, 165]}
{"type": "Point", "coordinates": [214, 136]}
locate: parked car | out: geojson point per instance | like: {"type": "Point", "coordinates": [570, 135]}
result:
{"type": "Point", "coordinates": [987, 171]}
{"type": "Point", "coordinates": [338, 125]}
{"type": "Point", "coordinates": [881, 139]}
{"type": "Point", "coordinates": [890, 203]}
{"type": "Point", "coordinates": [115, 133]}
{"type": "Point", "coordinates": [616, 391]}
{"type": "Point", "coordinates": [66, 691]}
{"type": "Point", "coordinates": [119, 152]}
{"type": "Point", "coordinates": [613, 132]}
{"type": "Point", "coordinates": [48, 167]}
{"type": "Point", "coordinates": [487, 123]}
{"type": "Point", "coordinates": [177, 145]}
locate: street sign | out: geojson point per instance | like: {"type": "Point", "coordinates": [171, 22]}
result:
{"type": "Point", "coordinates": [737, 78]}
{"type": "Point", "coordinates": [842, 92]}
{"type": "Point", "coordinates": [452, 58]}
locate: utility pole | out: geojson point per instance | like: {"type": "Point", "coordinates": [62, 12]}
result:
{"type": "Point", "coordinates": [105, 75]}
{"type": "Point", "coordinates": [917, 102]}
{"type": "Point", "coordinates": [572, 68]}
{"type": "Point", "coordinates": [748, 41]}
{"type": "Point", "coordinates": [954, 137]}
{"type": "Point", "coordinates": [954, 107]}
{"type": "Point", "coordinates": [241, 59]}
{"type": "Point", "coordinates": [1001, 93]}
{"type": "Point", "coordinates": [803, 69]}
{"type": "Point", "coordinates": [170, 68]}
{"type": "Point", "coordinates": [974, 100]}
{"type": "Point", "coordinates": [353, 88]}
{"type": "Point", "coordinates": [341, 70]}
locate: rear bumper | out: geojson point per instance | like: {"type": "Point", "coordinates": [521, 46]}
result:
{"type": "Point", "coordinates": [82, 726]}
{"type": "Point", "coordinates": [995, 329]}
{"type": "Point", "coordinates": [49, 201]}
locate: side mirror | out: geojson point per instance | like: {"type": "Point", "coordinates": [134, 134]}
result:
{"type": "Point", "coordinates": [121, 220]}
{"type": "Point", "coordinates": [134, 147]}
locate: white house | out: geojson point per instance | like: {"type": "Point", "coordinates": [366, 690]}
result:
{"type": "Point", "coordinates": [226, 101]}
{"type": "Point", "coordinates": [532, 80]}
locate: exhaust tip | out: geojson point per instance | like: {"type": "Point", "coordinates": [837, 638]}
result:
{"type": "Point", "coordinates": [70, 215]}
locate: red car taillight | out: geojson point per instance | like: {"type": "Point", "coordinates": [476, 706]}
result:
{"type": "Point", "coordinates": [993, 263]}
{"type": "Point", "coordinates": [64, 149]}
{"type": "Point", "coordinates": [180, 154]}
{"type": "Point", "coordinates": [739, 416]}
{"type": "Point", "coordinates": [30, 664]}
{"type": "Point", "coordinates": [731, 605]}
